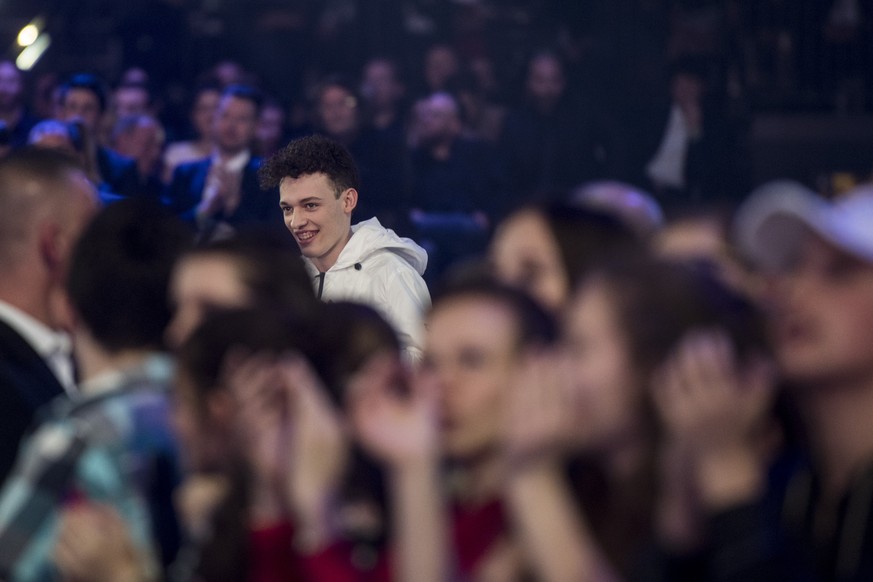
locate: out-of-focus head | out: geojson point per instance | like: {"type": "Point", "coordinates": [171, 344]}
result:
{"type": "Point", "coordinates": [45, 202]}
{"type": "Point", "coordinates": [688, 79]}
{"type": "Point", "coordinates": [545, 82]}
{"type": "Point", "coordinates": [381, 85]}
{"type": "Point", "coordinates": [120, 271]}
{"type": "Point", "coordinates": [83, 97]}
{"type": "Point", "coordinates": [819, 255]}
{"type": "Point", "coordinates": [251, 269]}
{"type": "Point", "coordinates": [11, 86]}
{"type": "Point", "coordinates": [636, 208]}
{"type": "Point", "coordinates": [440, 65]}
{"type": "Point", "coordinates": [337, 108]}
{"type": "Point", "coordinates": [624, 321]}
{"type": "Point", "coordinates": [204, 410]}
{"type": "Point", "coordinates": [131, 99]}
{"type": "Point", "coordinates": [236, 119]}
{"type": "Point", "coordinates": [229, 73]}
{"type": "Point", "coordinates": [271, 128]}
{"type": "Point", "coordinates": [544, 250]}
{"type": "Point", "coordinates": [440, 119]}
{"type": "Point", "coordinates": [476, 336]}
{"type": "Point", "coordinates": [57, 135]}
{"type": "Point", "coordinates": [203, 108]}
{"type": "Point", "coordinates": [140, 137]}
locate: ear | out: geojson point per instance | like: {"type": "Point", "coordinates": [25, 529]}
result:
{"type": "Point", "coordinates": [51, 245]}
{"type": "Point", "coordinates": [350, 200]}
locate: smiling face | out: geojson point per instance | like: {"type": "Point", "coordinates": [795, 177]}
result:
{"type": "Point", "coordinates": [319, 220]}
{"type": "Point", "coordinates": [823, 317]}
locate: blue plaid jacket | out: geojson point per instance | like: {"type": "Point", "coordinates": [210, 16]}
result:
{"type": "Point", "coordinates": [114, 448]}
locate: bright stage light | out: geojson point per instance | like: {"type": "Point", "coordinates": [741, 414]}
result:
{"type": "Point", "coordinates": [31, 54]}
{"type": "Point", "coordinates": [28, 35]}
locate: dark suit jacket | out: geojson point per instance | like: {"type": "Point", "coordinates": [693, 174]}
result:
{"type": "Point", "coordinates": [256, 206]}
{"type": "Point", "coordinates": [26, 384]}
{"type": "Point", "coordinates": [120, 175]}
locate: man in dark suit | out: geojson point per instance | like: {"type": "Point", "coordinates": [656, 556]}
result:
{"type": "Point", "coordinates": [83, 100]}
{"type": "Point", "coordinates": [222, 192]}
{"type": "Point", "coordinates": [45, 202]}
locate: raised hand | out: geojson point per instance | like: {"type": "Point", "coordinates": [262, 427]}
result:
{"type": "Point", "coordinates": [394, 417]}
{"type": "Point", "coordinates": [715, 406]}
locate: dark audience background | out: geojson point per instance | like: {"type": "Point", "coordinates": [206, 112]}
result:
{"type": "Point", "coordinates": [792, 78]}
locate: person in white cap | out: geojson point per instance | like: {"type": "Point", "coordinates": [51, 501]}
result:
{"type": "Point", "coordinates": [812, 518]}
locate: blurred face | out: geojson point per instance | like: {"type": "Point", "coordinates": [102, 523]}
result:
{"type": "Point", "coordinates": [338, 111]}
{"type": "Point", "coordinates": [439, 66]}
{"type": "Point", "coordinates": [82, 105]}
{"type": "Point", "coordinates": [823, 317]}
{"type": "Point", "coordinates": [270, 127]}
{"type": "Point", "coordinates": [687, 89]}
{"type": "Point", "coordinates": [607, 394]}
{"type": "Point", "coordinates": [11, 86]}
{"type": "Point", "coordinates": [143, 143]}
{"type": "Point", "coordinates": [439, 119]}
{"type": "Point", "coordinates": [131, 101]}
{"type": "Point", "coordinates": [545, 82]}
{"type": "Point", "coordinates": [235, 123]}
{"type": "Point", "coordinates": [199, 286]}
{"type": "Point", "coordinates": [203, 113]}
{"type": "Point", "coordinates": [525, 255]}
{"type": "Point", "coordinates": [319, 221]}
{"type": "Point", "coordinates": [380, 86]}
{"type": "Point", "coordinates": [471, 355]}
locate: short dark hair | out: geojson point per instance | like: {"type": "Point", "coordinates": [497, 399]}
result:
{"type": "Point", "coordinates": [535, 326]}
{"type": "Point", "coordinates": [313, 154]}
{"type": "Point", "coordinates": [120, 271]}
{"type": "Point", "coordinates": [88, 82]}
{"type": "Point", "coordinates": [247, 93]}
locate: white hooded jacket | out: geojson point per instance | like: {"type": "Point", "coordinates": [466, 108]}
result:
{"type": "Point", "coordinates": [382, 270]}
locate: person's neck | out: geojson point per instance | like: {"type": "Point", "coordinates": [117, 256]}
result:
{"type": "Point", "coordinates": [837, 418]}
{"type": "Point", "coordinates": [28, 292]}
{"type": "Point", "coordinates": [95, 360]}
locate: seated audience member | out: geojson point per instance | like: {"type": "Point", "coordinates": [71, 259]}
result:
{"type": "Point", "coordinates": [440, 67]}
{"type": "Point", "coordinates": [695, 155]}
{"type": "Point", "coordinates": [221, 193]}
{"type": "Point", "coordinates": [270, 136]}
{"type": "Point", "coordinates": [454, 182]}
{"type": "Point", "coordinates": [379, 156]}
{"type": "Point", "coordinates": [141, 138]}
{"type": "Point", "coordinates": [593, 400]}
{"type": "Point", "coordinates": [544, 250]}
{"type": "Point", "coordinates": [110, 444]}
{"type": "Point", "coordinates": [318, 187]}
{"type": "Point", "coordinates": [45, 202]}
{"type": "Point", "coordinates": [553, 141]}
{"type": "Point", "coordinates": [14, 114]}
{"type": "Point", "coordinates": [203, 107]}
{"type": "Point", "coordinates": [83, 99]}
{"type": "Point", "coordinates": [809, 517]}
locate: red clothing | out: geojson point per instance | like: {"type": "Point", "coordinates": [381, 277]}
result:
{"type": "Point", "coordinates": [474, 532]}
{"type": "Point", "coordinates": [272, 558]}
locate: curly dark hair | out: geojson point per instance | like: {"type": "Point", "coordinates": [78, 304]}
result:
{"type": "Point", "coordinates": [313, 154]}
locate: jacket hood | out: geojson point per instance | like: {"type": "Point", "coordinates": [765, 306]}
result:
{"type": "Point", "coordinates": [369, 237]}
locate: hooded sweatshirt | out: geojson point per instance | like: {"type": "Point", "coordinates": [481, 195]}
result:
{"type": "Point", "coordinates": [382, 270]}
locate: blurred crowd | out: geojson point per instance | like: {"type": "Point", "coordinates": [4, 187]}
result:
{"type": "Point", "coordinates": [498, 342]}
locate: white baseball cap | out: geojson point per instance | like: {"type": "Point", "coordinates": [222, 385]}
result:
{"type": "Point", "coordinates": [772, 223]}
